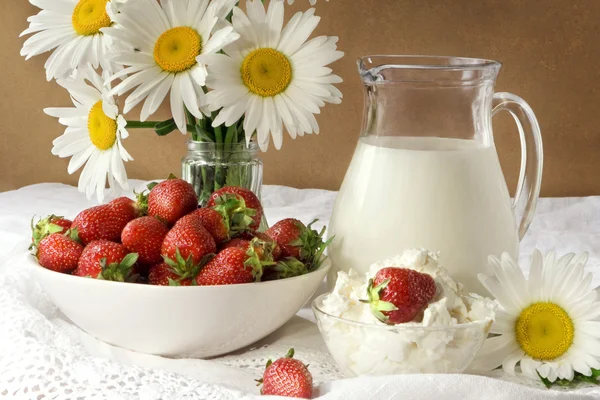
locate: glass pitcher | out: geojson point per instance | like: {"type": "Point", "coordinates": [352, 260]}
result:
{"type": "Point", "coordinates": [425, 172]}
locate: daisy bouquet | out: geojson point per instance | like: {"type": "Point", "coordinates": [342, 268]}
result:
{"type": "Point", "coordinates": [231, 77]}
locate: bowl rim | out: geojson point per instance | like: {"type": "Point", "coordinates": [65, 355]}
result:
{"type": "Point", "coordinates": [317, 310]}
{"type": "Point", "coordinates": [323, 268]}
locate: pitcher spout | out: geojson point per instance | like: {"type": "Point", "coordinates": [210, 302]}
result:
{"type": "Point", "coordinates": [430, 96]}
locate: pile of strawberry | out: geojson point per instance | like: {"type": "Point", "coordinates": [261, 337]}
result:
{"type": "Point", "coordinates": [163, 238]}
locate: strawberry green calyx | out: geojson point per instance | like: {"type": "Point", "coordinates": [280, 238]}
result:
{"type": "Point", "coordinates": [185, 268]}
{"type": "Point", "coordinates": [173, 282]}
{"type": "Point", "coordinates": [141, 202]}
{"type": "Point", "coordinates": [73, 234]}
{"type": "Point", "coordinates": [264, 249]}
{"type": "Point", "coordinates": [289, 267]}
{"type": "Point", "coordinates": [311, 245]}
{"type": "Point", "coordinates": [42, 228]}
{"type": "Point", "coordinates": [257, 262]}
{"type": "Point", "coordinates": [378, 307]}
{"type": "Point", "coordinates": [118, 272]}
{"type": "Point", "coordinates": [237, 217]}
{"type": "Point", "coordinates": [290, 353]}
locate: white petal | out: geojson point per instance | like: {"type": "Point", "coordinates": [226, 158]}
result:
{"type": "Point", "coordinates": [188, 95]}
{"type": "Point", "coordinates": [565, 371]}
{"type": "Point", "coordinates": [292, 39]}
{"type": "Point", "coordinates": [152, 78]}
{"type": "Point", "coordinates": [504, 322]}
{"type": "Point", "coordinates": [274, 23]}
{"type": "Point", "coordinates": [74, 147]}
{"type": "Point", "coordinates": [156, 97]}
{"type": "Point", "coordinates": [177, 105]}
{"type": "Point", "coordinates": [85, 184]}
{"type": "Point", "coordinates": [253, 116]}
{"type": "Point", "coordinates": [298, 114]}
{"type": "Point", "coordinates": [544, 370]}
{"type": "Point", "coordinates": [243, 26]}
{"type": "Point", "coordinates": [236, 111]}
{"type": "Point", "coordinates": [220, 39]}
{"type": "Point", "coordinates": [511, 360]}
{"type": "Point", "coordinates": [63, 112]}
{"type": "Point", "coordinates": [196, 10]}
{"type": "Point", "coordinates": [207, 24]}
{"type": "Point", "coordinates": [57, 6]}
{"type": "Point", "coordinates": [529, 367]}
{"type": "Point", "coordinates": [493, 352]}
{"type": "Point", "coordinates": [121, 124]}
{"type": "Point", "coordinates": [79, 159]}
{"type": "Point", "coordinates": [175, 11]}
{"type": "Point", "coordinates": [134, 80]}
{"type": "Point", "coordinates": [117, 168]}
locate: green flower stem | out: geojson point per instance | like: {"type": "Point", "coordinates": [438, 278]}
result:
{"type": "Point", "coordinates": [141, 124]}
{"type": "Point", "coordinates": [150, 125]}
{"type": "Point", "coordinates": [191, 120]}
{"type": "Point", "coordinates": [220, 172]}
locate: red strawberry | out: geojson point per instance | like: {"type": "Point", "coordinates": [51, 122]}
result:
{"type": "Point", "coordinates": [299, 241]}
{"type": "Point", "coordinates": [126, 207]}
{"type": "Point", "coordinates": [59, 252]}
{"type": "Point", "coordinates": [237, 242]}
{"type": "Point", "coordinates": [163, 275]}
{"type": "Point", "coordinates": [47, 226]}
{"type": "Point", "coordinates": [190, 239]}
{"type": "Point", "coordinates": [214, 223]}
{"type": "Point", "coordinates": [171, 200]}
{"type": "Point", "coordinates": [145, 237]}
{"type": "Point", "coordinates": [231, 266]}
{"type": "Point", "coordinates": [105, 221]}
{"type": "Point", "coordinates": [287, 377]}
{"type": "Point", "coordinates": [398, 295]}
{"type": "Point", "coordinates": [103, 259]}
{"type": "Point", "coordinates": [250, 200]}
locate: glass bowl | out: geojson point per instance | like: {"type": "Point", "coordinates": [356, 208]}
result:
{"type": "Point", "coordinates": [367, 349]}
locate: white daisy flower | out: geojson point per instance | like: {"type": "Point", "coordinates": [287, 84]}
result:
{"type": "Point", "coordinates": [545, 324]}
{"type": "Point", "coordinates": [72, 29]}
{"type": "Point", "coordinates": [273, 76]}
{"type": "Point", "coordinates": [167, 38]}
{"type": "Point", "coordinates": [94, 134]}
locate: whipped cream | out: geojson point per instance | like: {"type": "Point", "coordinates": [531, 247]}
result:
{"type": "Point", "coordinates": [374, 348]}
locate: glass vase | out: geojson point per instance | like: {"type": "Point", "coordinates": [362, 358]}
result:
{"type": "Point", "coordinates": [210, 166]}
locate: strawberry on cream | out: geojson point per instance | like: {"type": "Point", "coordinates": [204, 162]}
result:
{"type": "Point", "coordinates": [366, 346]}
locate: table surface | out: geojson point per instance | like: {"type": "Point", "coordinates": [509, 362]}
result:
{"type": "Point", "coordinates": [561, 224]}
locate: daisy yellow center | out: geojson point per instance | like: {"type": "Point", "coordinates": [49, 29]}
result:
{"type": "Point", "coordinates": [102, 129]}
{"type": "Point", "coordinates": [176, 49]}
{"type": "Point", "coordinates": [266, 72]}
{"type": "Point", "coordinates": [544, 331]}
{"type": "Point", "coordinates": [89, 16]}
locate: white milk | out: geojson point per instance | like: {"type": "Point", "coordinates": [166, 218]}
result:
{"type": "Point", "coordinates": [446, 195]}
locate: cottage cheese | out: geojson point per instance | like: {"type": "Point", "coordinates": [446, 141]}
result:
{"type": "Point", "coordinates": [367, 346]}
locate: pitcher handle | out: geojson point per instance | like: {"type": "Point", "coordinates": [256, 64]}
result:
{"type": "Point", "coordinates": [532, 156]}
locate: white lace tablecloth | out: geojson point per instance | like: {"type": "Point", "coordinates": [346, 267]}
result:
{"type": "Point", "coordinates": [44, 356]}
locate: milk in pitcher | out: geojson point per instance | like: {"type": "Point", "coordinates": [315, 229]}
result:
{"type": "Point", "coordinates": [446, 195]}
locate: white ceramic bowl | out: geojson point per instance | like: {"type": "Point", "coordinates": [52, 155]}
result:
{"type": "Point", "coordinates": [197, 321]}
{"type": "Point", "coordinates": [368, 349]}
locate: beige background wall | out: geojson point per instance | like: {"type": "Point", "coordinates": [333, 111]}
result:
{"type": "Point", "coordinates": [550, 50]}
